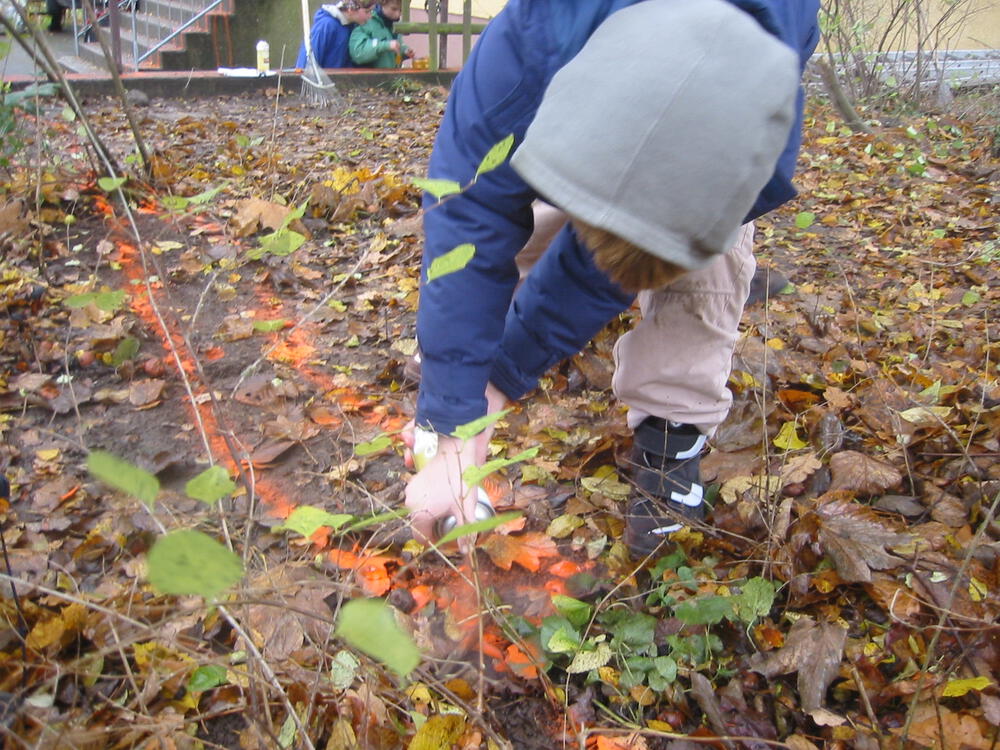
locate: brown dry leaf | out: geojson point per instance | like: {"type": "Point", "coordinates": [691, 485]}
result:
{"type": "Point", "coordinates": [856, 538]}
{"type": "Point", "coordinates": [837, 399]}
{"type": "Point", "coordinates": [945, 508]}
{"type": "Point", "coordinates": [722, 466]}
{"type": "Point", "coordinates": [812, 649]}
{"type": "Point", "coordinates": [269, 452]}
{"type": "Point", "coordinates": [289, 428]}
{"type": "Point", "coordinates": [862, 474]}
{"type": "Point", "coordinates": [527, 550]}
{"type": "Point", "coordinates": [11, 220]}
{"type": "Point", "coordinates": [280, 633]}
{"type": "Point", "coordinates": [893, 597]}
{"type": "Point", "coordinates": [991, 708]}
{"type": "Point", "coordinates": [800, 468]}
{"type": "Point", "coordinates": [146, 392]}
{"type": "Point", "coordinates": [256, 212]}
{"type": "Point", "coordinates": [936, 726]}
{"type": "Point", "coordinates": [235, 328]}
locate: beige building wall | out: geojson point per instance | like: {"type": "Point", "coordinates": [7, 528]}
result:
{"type": "Point", "coordinates": [981, 30]}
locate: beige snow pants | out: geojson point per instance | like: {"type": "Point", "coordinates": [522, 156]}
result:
{"type": "Point", "coordinates": [676, 360]}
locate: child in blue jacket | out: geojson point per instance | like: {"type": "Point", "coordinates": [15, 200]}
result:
{"type": "Point", "coordinates": [662, 158]}
{"type": "Point", "coordinates": [330, 34]}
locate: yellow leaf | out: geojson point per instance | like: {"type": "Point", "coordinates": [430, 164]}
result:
{"type": "Point", "coordinates": [48, 454]}
{"type": "Point", "coordinates": [439, 732]}
{"type": "Point", "coordinates": [957, 688]}
{"type": "Point", "coordinates": [977, 590]}
{"type": "Point", "coordinates": [776, 344]}
{"type": "Point", "coordinates": [788, 438]}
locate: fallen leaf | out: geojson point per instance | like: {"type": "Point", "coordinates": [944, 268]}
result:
{"type": "Point", "coordinates": [146, 392]}
{"type": "Point", "coordinates": [855, 538]}
{"type": "Point", "coordinates": [812, 649]}
{"type": "Point", "coordinates": [800, 468]}
{"type": "Point", "coordinates": [438, 732]}
{"type": "Point", "coordinates": [850, 470]}
{"type": "Point", "coordinates": [527, 550]}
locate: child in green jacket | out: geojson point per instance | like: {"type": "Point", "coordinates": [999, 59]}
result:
{"type": "Point", "coordinates": [375, 45]}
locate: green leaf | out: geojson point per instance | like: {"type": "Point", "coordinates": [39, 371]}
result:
{"type": "Point", "coordinates": [379, 444]}
{"type": "Point", "coordinates": [804, 219]}
{"type": "Point", "coordinates": [205, 196]}
{"type": "Point", "coordinates": [343, 669]}
{"type": "Point", "coordinates": [188, 562]}
{"type": "Point", "coordinates": [563, 641]}
{"type": "Point", "coordinates": [586, 660]}
{"type": "Point", "coordinates": [577, 612]}
{"type": "Point", "coordinates": [364, 523]}
{"type": "Point", "coordinates": [267, 326]}
{"type": "Point", "coordinates": [755, 600]}
{"type": "Point", "coordinates": [307, 519]}
{"type": "Point", "coordinates": [211, 485]}
{"type": "Point", "coordinates": [438, 188]}
{"type": "Point", "coordinates": [124, 476]}
{"type": "Point", "coordinates": [175, 203]}
{"type": "Point", "coordinates": [287, 734]}
{"type": "Point", "coordinates": [666, 667]}
{"type": "Point", "coordinates": [632, 629]}
{"type": "Point", "coordinates": [370, 626]}
{"type": "Point", "coordinates": [107, 184]}
{"type": "Point", "coordinates": [704, 610]}
{"type": "Point", "coordinates": [126, 349]}
{"type": "Point", "coordinates": [206, 678]}
{"type": "Point", "coordinates": [495, 156]}
{"type": "Point", "coordinates": [280, 243]}
{"type": "Point", "coordinates": [469, 430]}
{"type": "Point", "coordinates": [473, 475]}
{"type": "Point", "coordinates": [478, 527]}
{"type": "Point", "coordinates": [970, 298]}
{"type": "Point", "coordinates": [107, 301]}
{"type": "Point", "coordinates": [451, 261]}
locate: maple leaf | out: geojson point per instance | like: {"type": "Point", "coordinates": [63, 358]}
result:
{"type": "Point", "coordinates": [856, 538]}
{"type": "Point", "coordinates": [862, 474]}
{"type": "Point", "coordinates": [527, 550]}
{"type": "Point", "coordinates": [813, 650]}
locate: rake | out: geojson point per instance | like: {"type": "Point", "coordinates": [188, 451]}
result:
{"type": "Point", "coordinates": [317, 87]}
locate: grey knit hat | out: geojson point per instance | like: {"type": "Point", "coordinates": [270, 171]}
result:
{"type": "Point", "coordinates": [665, 127]}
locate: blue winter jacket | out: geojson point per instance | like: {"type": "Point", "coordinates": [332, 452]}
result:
{"type": "Point", "coordinates": [330, 42]}
{"type": "Point", "coordinates": [470, 330]}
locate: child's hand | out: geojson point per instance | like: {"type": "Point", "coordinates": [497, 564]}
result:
{"type": "Point", "coordinates": [438, 490]}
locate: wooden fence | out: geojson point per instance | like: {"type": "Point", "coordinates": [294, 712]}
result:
{"type": "Point", "coordinates": [438, 27]}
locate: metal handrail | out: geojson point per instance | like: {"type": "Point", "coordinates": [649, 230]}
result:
{"type": "Point", "coordinates": [176, 22]}
{"type": "Point", "coordinates": [177, 32]}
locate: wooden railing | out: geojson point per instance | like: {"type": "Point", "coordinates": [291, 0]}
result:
{"type": "Point", "coordinates": [437, 27]}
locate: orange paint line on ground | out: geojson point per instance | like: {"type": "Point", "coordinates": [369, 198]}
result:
{"type": "Point", "coordinates": [131, 265]}
{"type": "Point", "coordinates": [374, 572]}
{"type": "Point", "coordinates": [297, 348]}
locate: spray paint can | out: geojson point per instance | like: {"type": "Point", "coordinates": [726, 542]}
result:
{"type": "Point", "coordinates": [263, 57]}
{"type": "Point", "coordinates": [425, 447]}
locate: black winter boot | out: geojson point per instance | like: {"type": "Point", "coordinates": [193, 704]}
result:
{"type": "Point", "coordinates": [664, 465]}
